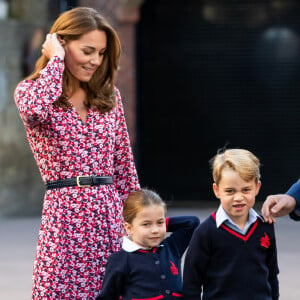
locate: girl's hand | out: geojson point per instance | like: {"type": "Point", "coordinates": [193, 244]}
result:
{"type": "Point", "coordinates": [53, 47]}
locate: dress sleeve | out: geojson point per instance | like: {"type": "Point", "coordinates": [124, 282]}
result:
{"type": "Point", "coordinates": [125, 175]}
{"type": "Point", "coordinates": [182, 229]}
{"type": "Point", "coordinates": [34, 98]}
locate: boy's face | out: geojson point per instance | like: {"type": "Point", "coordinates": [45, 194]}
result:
{"type": "Point", "coordinates": [148, 228]}
{"type": "Point", "coordinates": [236, 195]}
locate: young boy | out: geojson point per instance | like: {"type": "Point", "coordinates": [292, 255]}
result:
{"type": "Point", "coordinates": [232, 255]}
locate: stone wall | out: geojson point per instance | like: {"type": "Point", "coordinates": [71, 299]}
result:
{"type": "Point", "coordinates": [31, 11]}
{"type": "Point", "coordinates": [20, 184]}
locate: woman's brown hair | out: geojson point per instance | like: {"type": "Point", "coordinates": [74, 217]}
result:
{"type": "Point", "coordinates": [71, 25]}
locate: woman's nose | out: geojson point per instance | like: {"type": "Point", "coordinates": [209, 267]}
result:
{"type": "Point", "coordinates": [96, 60]}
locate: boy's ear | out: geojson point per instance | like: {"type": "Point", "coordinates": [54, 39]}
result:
{"type": "Point", "coordinates": [258, 186]}
{"type": "Point", "coordinates": [127, 228]}
{"type": "Point", "coordinates": [216, 190]}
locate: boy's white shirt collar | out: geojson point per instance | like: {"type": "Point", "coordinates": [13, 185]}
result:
{"type": "Point", "coordinates": [129, 246]}
{"type": "Point", "coordinates": [222, 216]}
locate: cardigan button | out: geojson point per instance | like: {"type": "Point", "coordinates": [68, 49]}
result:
{"type": "Point", "coordinates": [157, 262]}
{"type": "Point", "coordinates": [163, 276]}
{"type": "Point", "coordinates": [168, 292]}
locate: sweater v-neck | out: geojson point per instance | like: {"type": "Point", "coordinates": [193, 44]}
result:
{"type": "Point", "coordinates": [237, 234]}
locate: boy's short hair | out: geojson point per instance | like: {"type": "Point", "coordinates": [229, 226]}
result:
{"type": "Point", "coordinates": [245, 163]}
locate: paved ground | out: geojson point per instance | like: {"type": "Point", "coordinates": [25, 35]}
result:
{"type": "Point", "coordinates": [18, 241]}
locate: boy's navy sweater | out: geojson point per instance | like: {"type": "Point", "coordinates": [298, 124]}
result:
{"type": "Point", "coordinates": [153, 274]}
{"type": "Point", "coordinates": [231, 266]}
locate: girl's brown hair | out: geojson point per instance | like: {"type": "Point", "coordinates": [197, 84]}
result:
{"type": "Point", "coordinates": [245, 163]}
{"type": "Point", "coordinates": [71, 25]}
{"type": "Point", "coordinates": [138, 200]}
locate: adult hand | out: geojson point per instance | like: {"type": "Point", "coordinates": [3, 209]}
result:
{"type": "Point", "coordinates": [277, 206]}
{"type": "Point", "coordinates": [53, 46]}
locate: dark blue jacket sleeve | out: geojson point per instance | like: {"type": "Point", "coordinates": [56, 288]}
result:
{"type": "Point", "coordinates": [272, 264]}
{"type": "Point", "coordinates": [294, 191]}
{"type": "Point", "coordinates": [114, 278]}
{"type": "Point", "coordinates": [182, 229]}
{"type": "Point", "coordinates": [196, 261]}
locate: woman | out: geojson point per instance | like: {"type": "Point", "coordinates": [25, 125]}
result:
{"type": "Point", "coordinates": [75, 125]}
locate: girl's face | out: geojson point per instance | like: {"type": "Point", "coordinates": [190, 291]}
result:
{"type": "Point", "coordinates": [236, 195]}
{"type": "Point", "coordinates": [148, 228]}
{"type": "Point", "coordinates": [85, 55]}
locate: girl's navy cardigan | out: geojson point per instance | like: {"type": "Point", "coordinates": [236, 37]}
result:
{"type": "Point", "coordinates": [153, 274]}
{"type": "Point", "coordinates": [226, 265]}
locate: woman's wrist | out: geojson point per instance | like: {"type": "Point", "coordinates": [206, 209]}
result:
{"type": "Point", "coordinates": [59, 55]}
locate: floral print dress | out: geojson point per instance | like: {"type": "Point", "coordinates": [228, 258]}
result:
{"type": "Point", "coordinates": [81, 226]}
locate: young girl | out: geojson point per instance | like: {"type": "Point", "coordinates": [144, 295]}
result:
{"type": "Point", "coordinates": [232, 255]}
{"type": "Point", "coordinates": [148, 266]}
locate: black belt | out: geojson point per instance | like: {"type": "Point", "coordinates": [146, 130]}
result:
{"type": "Point", "coordinates": [80, 181]}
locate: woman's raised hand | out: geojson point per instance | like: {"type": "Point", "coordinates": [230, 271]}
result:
{"type": "Point", "coordinates": [53, 46]}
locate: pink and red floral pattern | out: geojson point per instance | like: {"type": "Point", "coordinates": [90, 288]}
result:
{"type": "Point", "coordinates": [80, 227]}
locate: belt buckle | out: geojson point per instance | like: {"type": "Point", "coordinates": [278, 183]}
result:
{"type": "Point", "coordinates": [78, 181]}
